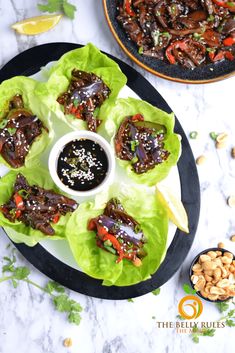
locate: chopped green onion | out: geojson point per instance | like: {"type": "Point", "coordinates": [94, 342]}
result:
{"type": "Point", "coordinates": [210, 50]}
{"type": "Point", "coordinates": [137, 228]}
{"type": "Point", "coordinates": [213, 135]}
{"type": "Point", "coordinates": [193, 134]}
{"type": "Point", "coordinates": [130, 300]}
{"type": "Point", "coordinates": [108, 243]}
{"type": "Point", "coordinates": [11, 130]}
{"type": "Point", "coordinates": [24, 193]}
{"type": "Point", "coordinates": [3, 123]}
{"type": "Point", "coordinates": [110, 249]}
{"type": "Point", "coordinates": [75, 102]}
{"type": "Point", "coordinates": [134, 144]}
{"type": "Point", "coordinates": [166, 34]}
{"type": "Point", "coordinates": [141, 50]}
{"type": "Point", "coordinates": [96, 112]}
{"type": "Point", "coordinates": [134, 160]}
{"type": "Point", "coordinates": [197, 35]}
{"type": "Point", "coordinates": [210, 18]}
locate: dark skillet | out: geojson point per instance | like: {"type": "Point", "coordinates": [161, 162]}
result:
{"type": "Point", "coordinates": [204, 74]}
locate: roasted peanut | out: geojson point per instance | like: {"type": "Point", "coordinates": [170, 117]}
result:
{"type": "Point", "coordinates": [221, 245]}
{"type": "Point", "coordinates": [212, 254]}
{"type": "Point", "coordinates": [209, 265]}
{"type": "Point", "coordinates": [204, 258]}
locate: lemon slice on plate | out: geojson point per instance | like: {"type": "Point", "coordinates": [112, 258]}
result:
{"type": "Point", "coordinates": [36, 25]}
{"type": "Point", "coordinates": [175, 208]}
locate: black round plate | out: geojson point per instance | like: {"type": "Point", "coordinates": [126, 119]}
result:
{"type": "Point", "coordinates": [28, 63]}
{"type": "Point", "coordinates": [203, 74]}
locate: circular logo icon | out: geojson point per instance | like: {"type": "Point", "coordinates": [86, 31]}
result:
{"type": "Point", "coordinates": [194, 304]}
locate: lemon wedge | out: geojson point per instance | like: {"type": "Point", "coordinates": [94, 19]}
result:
{"type": "Point", "coordinates": [36, 25]}
{"type": "Point", "coordinates": [175, 209]}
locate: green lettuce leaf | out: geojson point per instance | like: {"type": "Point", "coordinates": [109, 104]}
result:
{"type": "Point", "coordinates": [26, 87]}
{"type": "Point", "coordinates": [101, 264]}
{"type": "Point", "coordinates": [88, 59]}
{"type": "Point", "coordinates": [114, 115]}
{"type": "Point", "coordinates": [19, 232]}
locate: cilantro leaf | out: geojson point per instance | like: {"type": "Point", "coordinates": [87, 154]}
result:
{"type": "Point", "coordinates": [51, 6]}
{"type": "Point", "coordinates": [54, 286]}
{"type": "Point", "coordinates": [180, 317]}
{"type": "Point", "coordinates": [188, 289]}
{"type": "Point", "coordinates": [230, 323]}
{"type": "Point", "coordinates": [76, 307]}
{"type": "Point", "coordinates": [156, 291]}
{"type": "Point", "coordinates": [62, 303]}
{"type": "Point", "coordinates": [210, 332]}
{"type": "Point", "coordinates": [195, 339]}
{"type": "Point", "coordinates": [231, 313]}
{"type": "Point", "coordinates": [69, 9]}
{"type": "Point", "coordinates": [222, 306]}
{"type": "Point", "coordinates": [14, 283]}
{"type": "Point", "coordinates": [74, 318]}
{"type": "Point", "coordinates": [21, 272]}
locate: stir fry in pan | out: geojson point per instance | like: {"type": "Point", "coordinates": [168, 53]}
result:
{"type": "Point", "coordinates": [188, 32]}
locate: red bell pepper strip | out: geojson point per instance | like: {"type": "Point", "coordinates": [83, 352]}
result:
{"type": "Point", "coordinates": [226, 4]}
{"type": "Point", "coordinates": [17, 214]}
{"type": "Point", "coordinates": [137, 117]}
{"type": "Point", "coordinates": [56, 218]}
{"type": "Point", "coordinates": [116, 245]}
{"type": "Point", "coordinates": [127, 7]}
{"type": "Point", "coordinates": [18, 201]}
{"type": "Point", "coordinates": [221, 55]}
{"type": "Point", "coordinates": [229, 41]}
{"type": "Point", "coordinates": [178, 44]}
{"type": "Point", "coordinates": [228, 55]}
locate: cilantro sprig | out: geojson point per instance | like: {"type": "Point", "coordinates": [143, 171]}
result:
{"type": "Point", "coordinates": [59, 6]}
{"type": "Point", "coordinates": [196, 333]}
{"type": "Point", "coordinates": [62, 302]}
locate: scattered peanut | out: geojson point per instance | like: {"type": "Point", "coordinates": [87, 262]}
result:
{"type": "Point", "coordinates": [214, 275]}
{"type": "Point", "coordinates": [223, 137]}
{"type": "Point", "coordinates": [221, 245]}
{"type": "Point", "coordinates": [231, 201]}
{"type": "Point", "coordinates": [233, 152]}
{"type": "Point", "coordinates": [232, 238]}
{"type": "Point", "coordinates": [67, 342]}
{"type": "Point", "coordinates": [200, 160]}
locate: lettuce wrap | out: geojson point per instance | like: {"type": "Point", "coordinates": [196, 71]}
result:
{"type": "Point", "coordinates": [122, 108]}
{"type": "Point", "coordinates": [18, 231]}
{"type": "Point", "coordinates": [88, 59]}
{"type": "Point", "coordinates": [26, 87]}
{"type": "Point", "coordinates": [100, 264]}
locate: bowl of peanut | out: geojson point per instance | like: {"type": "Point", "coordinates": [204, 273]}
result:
{"type": "Point", "coordinates": [212, 274]}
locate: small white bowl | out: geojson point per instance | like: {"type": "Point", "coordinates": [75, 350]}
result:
{"type": "Point", "coordinates": [77, 135]}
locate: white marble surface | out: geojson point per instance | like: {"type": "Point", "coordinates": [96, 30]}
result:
{"type": "Point", "coordinates": [28, 322]}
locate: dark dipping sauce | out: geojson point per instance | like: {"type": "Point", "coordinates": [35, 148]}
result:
{"type": "Point", "coordinates": [82, 165]}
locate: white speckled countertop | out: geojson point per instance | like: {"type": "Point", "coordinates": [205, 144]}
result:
{"type": "Point", "coordinates": [28, 321]}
